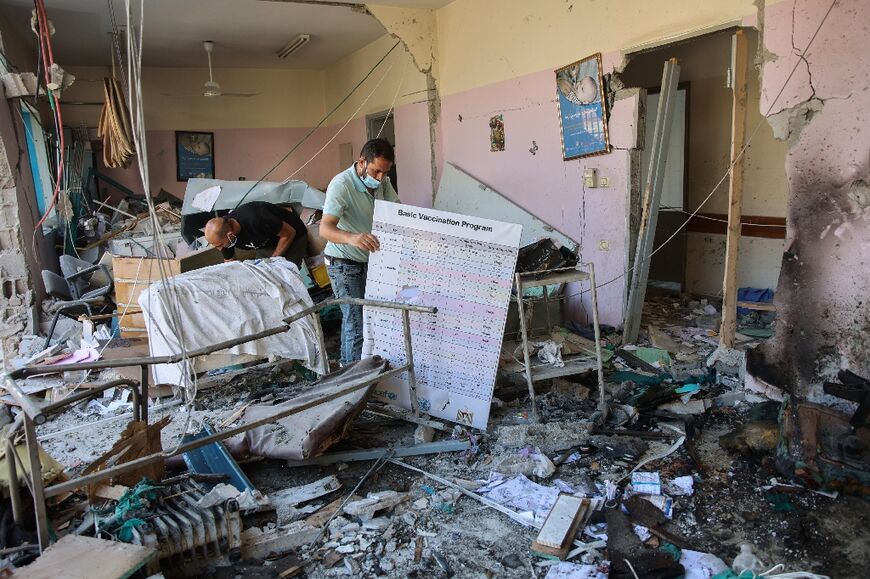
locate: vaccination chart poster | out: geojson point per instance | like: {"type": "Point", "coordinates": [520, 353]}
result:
{"type": "Point", "coordinates": [582, 108]}
{"type": "Point", "coordinates": [462, 265]}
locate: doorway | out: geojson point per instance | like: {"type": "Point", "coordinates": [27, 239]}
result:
{"type": "Point", "coordinates": [668, 266]}
{"type": "Point", "coordinates": [382, 125]}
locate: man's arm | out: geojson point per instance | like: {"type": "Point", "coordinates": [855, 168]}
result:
{"type": "Point", "coordinates": [285, 238]}
{"type": "Point", "coordinates": [229, 254]}
{"type": "Point", "coordinates": [329, 231]}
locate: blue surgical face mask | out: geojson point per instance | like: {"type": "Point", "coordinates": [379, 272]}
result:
{"type": "Point", "coordinates": [368, 180]}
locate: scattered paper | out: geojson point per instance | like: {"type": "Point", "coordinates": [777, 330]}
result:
{"type": "Point", "coordinates": [664, 503]}
{"type": "Point", "coordinates": [700, 565]}
{"type": "Point", "coordinates": [206, 199]}
{"type": "Point", "coordinates": [565, 570]}
{"type": "Point", "coordinates": [642, 533]}
{"type": "Point", "coordinates": [683, 486]}
{"type": "Point", "coordinates": [522, 494]}
{"type": "Point", "coordinates": [78, 357]}
{"type": "Point", "coordinates": [646, 483]}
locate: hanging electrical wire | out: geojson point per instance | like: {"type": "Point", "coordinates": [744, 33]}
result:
{"type": "Point", "coordinates": [319, 124]}
{"type": "Point", "coordinates": [347, 122]}
{"type": "Point", "coordinates": [47, 59]}
{"type": "Point", "coordinates": [188, 387]}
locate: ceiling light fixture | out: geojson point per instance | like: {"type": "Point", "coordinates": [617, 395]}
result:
{"type": "Point", "coordinates": [294, 45]}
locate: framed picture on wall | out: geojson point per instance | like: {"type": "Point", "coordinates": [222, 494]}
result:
{"type": "Point", "coordinates": [582, 108]}
{"type": "Point", "coordinates": [194, 153]}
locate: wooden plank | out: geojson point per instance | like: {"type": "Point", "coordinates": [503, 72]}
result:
{"type": "Point", "coordinates": [651, 201]}
{"type": "Point", "coordinates": [293, 496]}
{"type": "Point", "coordinates": [142, 268]}
{"type": "Point", "coordinates": [561, 526]}
{"type": "Point", "coordinates": [319, 518]}
{"type": "Point", "coordinates": [131, 321]}
{"type": "Point", "coordinates": [739, 63]}
{"type": "Point", "coordinates": [78, 557]}
{"type": "Point", "coordinates": [111, 492]}
{"type": "Point", "coordinates": [128, 291]}
{"type": "Point", "coordinates": [763, 306]}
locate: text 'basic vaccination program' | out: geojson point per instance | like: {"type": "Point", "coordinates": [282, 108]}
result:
{"type": "Point", "coordinates": [444, 220]}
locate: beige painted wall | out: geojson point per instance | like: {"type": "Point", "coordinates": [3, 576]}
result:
{"type": "Point", "coordinates": [485, 41]}
{"type": "Point", "coordinates": [288, 98]}
{"type": "Point", "coordinates": [403, 83]}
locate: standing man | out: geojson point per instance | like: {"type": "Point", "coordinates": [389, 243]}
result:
{"type": "Point", "coordinates": [270, 230]}
{"type": "Point", "coordinates": [347, 227]}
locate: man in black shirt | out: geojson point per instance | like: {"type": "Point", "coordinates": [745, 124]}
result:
{"type": "Point", "coordinates": [270, 230]}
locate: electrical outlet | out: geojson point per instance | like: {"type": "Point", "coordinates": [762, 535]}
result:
{"type": "Point", "coordinates": [590, 178]}
{"type": "Point", "coordinates": [603, 181]}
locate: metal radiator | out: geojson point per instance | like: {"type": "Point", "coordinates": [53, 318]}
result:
{"type": "Point", "coordinates": [184, 533]}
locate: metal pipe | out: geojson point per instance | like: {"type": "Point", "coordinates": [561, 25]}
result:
{"type": "Point", "coordinates": [26, 402]}
{"type": "Point", "coordinates": [143, 400]}
{"type": "Point", "coordinates": [36, 482]}
{"type": "Point", "coordinates": [321, 341]}
{"type": "Point", "coordinates": [602, 398]}
{"type": "Point", "coordinates": [175, 358]}
{"type": "Point", "coordinates": [409, 361]}
{"type": "Point", "coordinates": [524, 332]}
{"type": "Point", "coordinates": [70, 485]}
{"type": "Point", "coordinates": [14, 489]}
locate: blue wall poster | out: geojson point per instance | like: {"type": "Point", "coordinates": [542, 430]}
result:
{"type": "Point", "coordinates": [195, 154]}
{"type": "Point", "coordinates": [582, 108]}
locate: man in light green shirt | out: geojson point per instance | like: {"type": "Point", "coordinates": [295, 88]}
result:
{"type": "Point", "coordinates": [347, 227]}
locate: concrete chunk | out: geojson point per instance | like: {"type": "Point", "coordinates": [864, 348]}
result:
{"type": "Point", "coordinates": [259, 544]}
{"type": "Point", "coordinates": [548, 438]}
{"type": "Point", "coordinates": [366, 508]}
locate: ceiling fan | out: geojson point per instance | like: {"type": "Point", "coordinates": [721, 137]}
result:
{"type": "Point", "coordinates": [211, 88]}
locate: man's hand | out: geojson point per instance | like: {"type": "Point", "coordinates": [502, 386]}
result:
{"type": "Point", "coordinates": [365, 241]}
{"type": "Point", "coordinates": [229, 260]}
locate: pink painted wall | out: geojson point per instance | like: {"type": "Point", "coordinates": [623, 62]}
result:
{"type": "Point", "coordinates": [823, 312]}
{"type": "Point", "coordinates": [544, 184]}
{"type": "Point", "coordinates": [250, 153]}
{"type": "Point", "coordinates": [413, 154]}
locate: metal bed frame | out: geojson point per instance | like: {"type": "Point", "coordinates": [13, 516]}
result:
{"type": "Point", "coordinates": [34, 414]}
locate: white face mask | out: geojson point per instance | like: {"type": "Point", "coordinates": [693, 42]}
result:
{"type": "Point", "coordinates": [368, 180]}
{"type": "Point", "coordinates": [232, 240]}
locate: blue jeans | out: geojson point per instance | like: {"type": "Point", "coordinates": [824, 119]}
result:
{"type": "Point", "coordinates": [349, 280]}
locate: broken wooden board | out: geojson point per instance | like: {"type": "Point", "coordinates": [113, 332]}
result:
{"type": "Point", "coordinates": [78, 557]}
{"type": "Point", "coordinates": [561, 526]}
{"type": "Point", "coordinates": [137, 440]}
{"type": "Point", "coordinates": [259, 544]}
{"type": "Point", "coordinates": [320, 518]}
{"type": "Point", "coordinates": [297, 495]}
{"type": "Point", "coordinates": [366, 509]}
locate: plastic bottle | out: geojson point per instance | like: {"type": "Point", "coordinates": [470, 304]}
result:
{"type": "Point", "coordinates": [747, 561]}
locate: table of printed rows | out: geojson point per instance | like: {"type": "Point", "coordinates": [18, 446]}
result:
{"type": "Point", "coordinates": [468, 281]}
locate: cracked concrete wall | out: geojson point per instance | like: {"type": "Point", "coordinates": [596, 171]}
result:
{"type": "Point", "coordinates": [19, 287]}
{"type": "Point", "coordinates": [417, 29]}
{"type": "Point", "coordinates": [823, 321]}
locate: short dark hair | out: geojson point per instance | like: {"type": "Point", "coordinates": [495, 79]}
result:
{"type": "Point", "coordinates": [378, 148]}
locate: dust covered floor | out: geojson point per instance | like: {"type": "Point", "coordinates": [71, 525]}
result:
{"type": "Point", "coordinates": [434, 532]}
